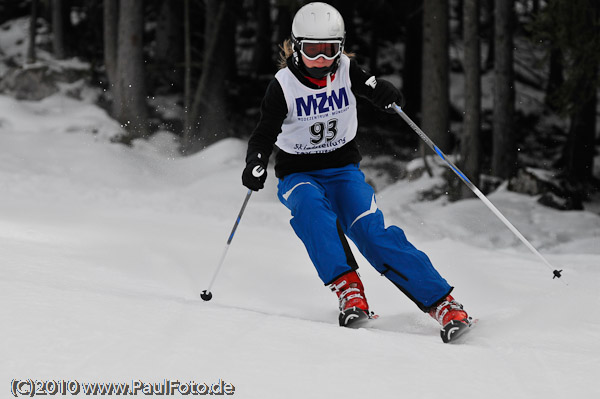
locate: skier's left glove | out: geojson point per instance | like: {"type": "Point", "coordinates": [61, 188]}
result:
{"type": "Point", "coordinates": [385, 93]}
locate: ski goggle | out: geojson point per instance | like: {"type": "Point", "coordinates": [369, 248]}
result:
{"type": "Point", "coordinates": [313, 49]}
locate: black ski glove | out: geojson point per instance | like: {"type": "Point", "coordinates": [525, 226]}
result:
{"type": "Point", "coordinates": [254, 175]}
{"type": "Point", "coordinates": [385, 93]}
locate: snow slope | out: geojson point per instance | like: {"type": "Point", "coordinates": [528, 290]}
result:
{"type": "Point", "coordinates": [104, 250]}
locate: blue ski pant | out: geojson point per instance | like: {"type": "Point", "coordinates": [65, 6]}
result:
{"type": "Point", "coordinates": [329, 204]}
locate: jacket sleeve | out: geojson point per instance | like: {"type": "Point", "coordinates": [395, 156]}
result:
{"type": "Point", "coordinates": [273, 111]}
{"type": "Point", "coordinates": [365, 85]}
{"type": "Point", "coordinates": [361, 80]}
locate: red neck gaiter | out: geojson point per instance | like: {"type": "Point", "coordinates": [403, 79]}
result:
{"type": "Point", "coordinates": [322, 82]}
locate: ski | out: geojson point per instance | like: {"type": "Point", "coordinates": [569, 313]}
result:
{"type": "Point", "coordinates": [455, 329]}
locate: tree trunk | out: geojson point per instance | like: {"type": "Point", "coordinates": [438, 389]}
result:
{"type": "Point", "coordinates": [132, 108]}
{"type": "Point", "coordinates": [263, 51]}
{"type": "Point", "coordinates": [413, 58]}
{"type": "Point", "coordinates": [376, 37]}
{"type": "Point", "coordinates": [31, 57]}
{"type": "Point", "coordinates": [470, 144]}
{"type": "Point", "coordinates": [488, 12]}
{"type": "Point", "coordinates": [209, 108]}
{"type": "Point", "coordinates": [169, 39]}
{"type": "Point", "coordinates": [435, 100]}
{"type": "Point", "coordinates": [583, 96]}
{"type": "Point", "coordinates": [580, 148]}
{"type": "Point", "coordinates": [555, 78]}
{"type": "Point", "coordinates": [58, 29]}
{"type": "Point", "coordinates": [111, 33]}
{"type": "Point", "coordinates": [504, 153]}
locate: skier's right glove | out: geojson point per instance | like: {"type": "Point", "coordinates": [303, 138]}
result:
{"type": "Point", "coordinates": [254, 175]}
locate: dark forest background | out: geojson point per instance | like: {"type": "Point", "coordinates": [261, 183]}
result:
{"type": "Point", "coordinates": [508, 87]}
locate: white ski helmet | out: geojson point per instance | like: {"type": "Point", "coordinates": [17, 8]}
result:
{"type": "Point", "coordinates": [318, 21]}
{"type": "Point", "coordinates": [318, 31]}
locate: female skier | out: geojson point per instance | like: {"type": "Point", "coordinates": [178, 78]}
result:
{"type": "Point", "coordinates": [309, 113]}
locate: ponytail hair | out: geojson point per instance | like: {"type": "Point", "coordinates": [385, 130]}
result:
{"type": "Point", "coordinates": [286, 51]}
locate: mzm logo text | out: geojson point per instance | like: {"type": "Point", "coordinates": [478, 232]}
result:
{"type": "Point", "coordinates": [320, 103]}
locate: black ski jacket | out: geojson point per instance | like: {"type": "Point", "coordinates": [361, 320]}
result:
{"type": "Point", "coordinates": [273, 111]}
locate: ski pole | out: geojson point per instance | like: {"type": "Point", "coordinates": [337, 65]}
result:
{"type": "Point", "coordinates": [482, 197]}
{"type": "Point", "coordinates": [206, 294]}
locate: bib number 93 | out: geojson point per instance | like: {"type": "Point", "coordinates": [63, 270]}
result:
{"type": "Point", "coordinates": [322, 131]}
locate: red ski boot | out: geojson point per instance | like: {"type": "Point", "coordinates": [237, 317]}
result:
{"type": "Point", "coordinates": [452, 317]}
{"type": "Point", "coordinates": [353, 303]}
